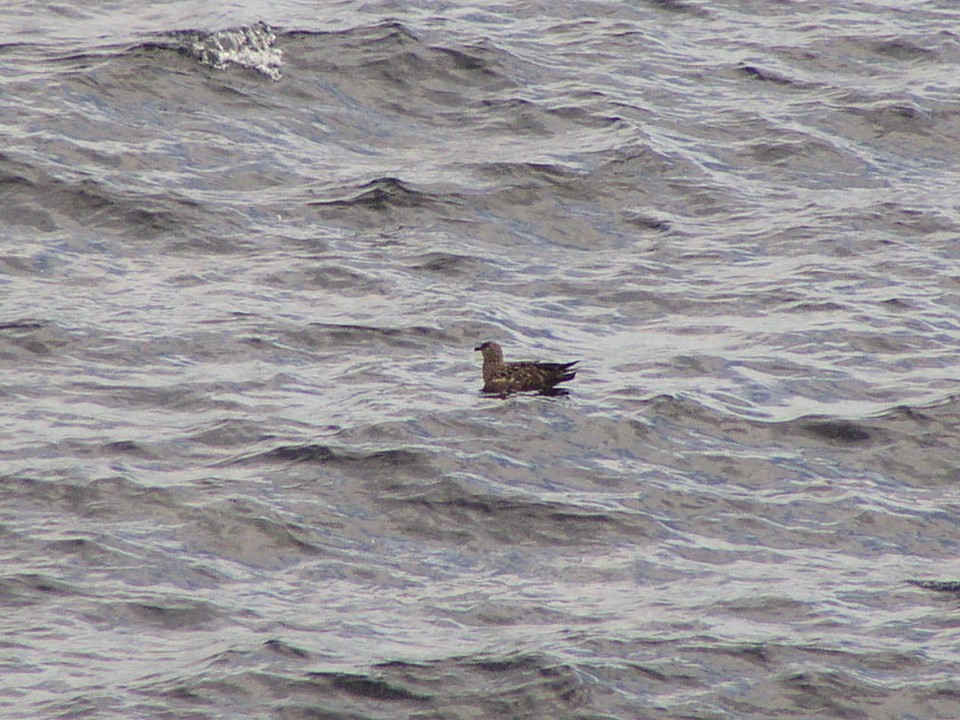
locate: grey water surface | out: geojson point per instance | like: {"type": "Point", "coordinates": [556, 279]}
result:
{"type": "Point", "coordinates": [246, 252]}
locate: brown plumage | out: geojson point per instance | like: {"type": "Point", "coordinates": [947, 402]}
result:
{"type": "Point", "coordinates": [502, 378]}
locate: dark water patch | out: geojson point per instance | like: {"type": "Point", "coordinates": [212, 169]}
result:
{"type": "Point", "coordinates": [525, 663]}
{"type": "Point", "coordinates": [223, 338]}
{"type": "Point", "coordinates": [105, 498]}
{"type": "Point", "coordinates": [876, 433]}
{"type": "Point", "coordinates": [673, 183]}
{"type": "Point", "coordinates": [163, 612]}
{"type": "Point", "coordinates": [231, 433]}
{"type": "Point", "coordinates": [844, 56]}
{"type": "Point", "coordinates": [632, 299]}
{"type": "Point", "coordinates": [170, 397]}
{"type": "Point", "coordinates": [766, 75]}
{"type": "Point", "coordinates": [237, 528]}
{"type": "Point", "coordinates": [389, 34]}
{"type": "Point", "coordinates": [365, 687]}
{"type": "Point", "coordinates": [448, 264]}
{"type": "Point", "coordinates": [381, 194]}
{"type": "Point", "coordinates": [681, 7]}
{"type": "Point", "coordinates": [919, 446]}
{"type": "Point", "coordinates": [478, 611]}
{"type": "Point", "coordinates": [525, 684]}
{"type": "Point", "coordinates": [328, 277]}
{"type": "Point", "coordinates": [21, 325]}
{"type": "Point", "coordinates": [904, 445]}
{"type": "Point", "coordinates": [581, 114]}
{"type": "Point", "coordinates": [829, 690]}
{"type": "Point", "coordinates": [29, 341]}
{"type": "Point", "coordinates": [805, 156]}
{"type": "Point", "coordinates": [901, 48]}
{"type": "Point", "coordinates": [74, 61]}
{"type": "Point", "coordinates": [522, 117]}
{"type": "Point", "coordinates": [285, 649]}
{"type": "Point", "coordinates": [338, 336]}
{"type": "Point", "coordinates": [396, 55]}
{"type": "Point", "coordinates": [20, 188]}
{"type": "Point", "coordinates": [837, 431]}
{"type": "Point", "coordinates": [296, 693]}
{"type": "Point", "coordinates": [692, 661]}
{"type": "Point", "coordinates": [400, 76]}
{"type": "Point", "coordinates": [907, 219]}
{"type": "Point", "coordinates": [130, 448]}
{"type": "Point", "coordinates": [447, 510]}
{"type": "Point", "coordinates": [891, 115]}
{"type": "Point", "coordinates": [855, 473]}
{"type": "Point", "coordinates": [481, 64]}
{"type": "Point", "coordinates": [647, 222]}
{"type": "Point", "coordinates": [386, 201]}
{"type": "Point", "coordinates": [947, 586]}
{"type": "Point", "coordinates": [533, 175]}
{"type": "Point", "coordinates": [803, 307]}
{"type": "Point", "coordinates": [768, 608]}
{"type": "Point", "coordinates": [249, 532]}
{"type": "Point", "coordinates": [86, 551]}
{"type": "Point", "coordinates": [27, 589]}
{"type": "Point", "coordinates": [798, 153]}
{"type": "Point", "coordinates": [399, 459]}
{"type": "Point", "coordinates": [47, 201]}
{"type": "Point", "coordinates": [88, 705]}
{"type": "Point", "coordinates": [297, 454]}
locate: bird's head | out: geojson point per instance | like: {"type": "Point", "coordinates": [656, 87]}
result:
{"type": "Point", "coordinates": [490, 350]}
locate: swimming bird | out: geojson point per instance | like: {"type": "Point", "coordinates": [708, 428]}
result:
{"type": "Point", "coordinates": [502, 378]}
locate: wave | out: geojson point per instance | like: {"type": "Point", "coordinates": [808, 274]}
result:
{"type": "Point", "coordinates": [391, 50]}
{"type": "Point", "coordinates": [314, 453]}
{"type": "Point", "coordinates": [387, 200]}
{"type": "Point", "coordinates": [381, 194]}
{"type": "Point", "coordinates": [38, 198]}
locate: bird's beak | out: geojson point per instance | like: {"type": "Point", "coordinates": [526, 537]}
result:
{"type": "Point", "coordinates": [477, 349]}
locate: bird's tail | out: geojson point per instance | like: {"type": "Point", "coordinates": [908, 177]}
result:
{"type": "Point", "coordinates": [557, 367]}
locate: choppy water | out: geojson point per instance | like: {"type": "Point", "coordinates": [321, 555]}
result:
{"type": "Point", "coordinates": [246, 470]}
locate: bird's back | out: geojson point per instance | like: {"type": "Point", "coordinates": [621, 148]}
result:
{"type": "Point", "coordinates": [529, 376]}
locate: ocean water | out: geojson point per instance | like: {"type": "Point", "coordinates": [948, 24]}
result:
{"type": "Point", "coordinates": [246, 253]}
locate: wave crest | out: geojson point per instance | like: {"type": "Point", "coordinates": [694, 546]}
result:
{"type": "Point", "coordinates": [249, 47]}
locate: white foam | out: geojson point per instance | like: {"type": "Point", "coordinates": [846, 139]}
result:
{"type": "Point", "coordinates": [250, 47]}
